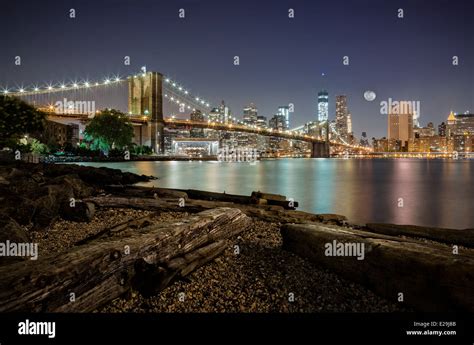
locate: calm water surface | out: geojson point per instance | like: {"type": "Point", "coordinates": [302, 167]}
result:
{"type": "Point", "coordinates": [434, 192]}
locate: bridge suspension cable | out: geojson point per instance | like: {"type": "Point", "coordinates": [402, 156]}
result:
{"type": "Point", "coordinates": [176, 93]}
{"type": "Point", "coordinates": [60, 87]}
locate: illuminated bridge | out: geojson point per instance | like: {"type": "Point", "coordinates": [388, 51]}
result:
{"type": "Point", "coordinates": [145, 94]}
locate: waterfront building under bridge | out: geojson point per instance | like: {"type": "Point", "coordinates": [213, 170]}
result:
{"type": "Point", "coordinates": [195, 147]}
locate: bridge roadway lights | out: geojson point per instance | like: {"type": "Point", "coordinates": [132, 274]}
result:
{"type": "Point", "coordinates": [319, 150]}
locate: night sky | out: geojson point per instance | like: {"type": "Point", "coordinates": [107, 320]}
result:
{"type": "Point", "coordinates": [281, 59]}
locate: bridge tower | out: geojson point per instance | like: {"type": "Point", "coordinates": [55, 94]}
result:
{"type": "Point", "coordinates": [145, 97]}
{"type": "Point", "coordinates": [321, 149]}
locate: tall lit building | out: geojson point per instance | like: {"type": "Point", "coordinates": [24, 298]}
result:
{"type": "Point", "coordinates": [285, 112]}
{"type": "Point", "coordinates": [261, 121]}
{"type": "Point", "coordinates": [451, 124]}
{"type": "Point", "coordinates": [416, 118]}
{"type": "Point", "coordinates": [197, 116]}
{"type": "Point", "coordinates": [442, 129]}
{"type": "Point", "coordinates": [323, 105]}
{"type": "Point", "coordinates": [460, 124]}
{"type": "Point", "coordinates": [364, 141]}
{"type": "Point", "coordinates": [349, 123]}
{"type": "Point", "coordinates": [400, 128]}
{"type": "Point", "coordinates": [250, 114]}
{"type": "Point", "coordinates": [214, 115]}
{"type": "Point", "coordinates": [342, 116]}
{"type": "Point", "coordinates": [221, 114]}
{"type": "Point", "coordinates": [225, 113]}
{"type": "Point", "coordinates": [277, 122]}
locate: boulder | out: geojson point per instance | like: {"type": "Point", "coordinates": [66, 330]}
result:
{"type": "Point", "coordinates": [16, 174]}
{"type": "Point", "coordinates": [94, 176]}
{"type": "Point", "coordinates": [79, 211]}
{"type": "Point", "coordinates": [11, 231]}
{"type": "Point", "coordinates": [17, 207]}
{"type": "Point", "coordinates": [47, 206]}
{"type": "Point", "coordinates": [79, 188]}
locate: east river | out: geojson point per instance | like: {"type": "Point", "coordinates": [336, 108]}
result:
{"type": "Point", "coordinates": [437, 193]}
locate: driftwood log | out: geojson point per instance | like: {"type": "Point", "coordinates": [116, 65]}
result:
{"type": "Point", "coordinates": [450, 236]}
{"type": "Point", "coordinates": [430, 276]}
{"type": "Point", "coordinates": [168, 193]}
{"type": "Point", "coordinates": [255, 198]}
{"type": "Point", "coordinates": [132, 224]}
{"type": "Point", "coordinates": [144, 192]}
{"type": "Point", "coordinates": [271, 213]}
{"type": "Point", "coordinates": [88, 276]}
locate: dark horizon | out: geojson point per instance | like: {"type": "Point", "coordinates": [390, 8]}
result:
{"type": "Point", "coordinates": [281, 59]}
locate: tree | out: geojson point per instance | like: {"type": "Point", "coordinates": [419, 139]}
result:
{"type": "Point", "coordinates": [38, 147]}
{"type": "Point", "coordinates": [109, 129]}
{"type": "Point", "coordinates": [18, 118]}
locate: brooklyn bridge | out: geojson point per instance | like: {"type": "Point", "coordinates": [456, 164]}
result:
{"type": "Point", "coordinates": [146, 93]}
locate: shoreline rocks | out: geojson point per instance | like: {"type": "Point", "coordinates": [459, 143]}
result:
{"type": "Point", "coordinates": [35, 195]}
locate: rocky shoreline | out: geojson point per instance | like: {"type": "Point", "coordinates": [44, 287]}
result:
{"type": "Point", "coordinates": [252, 272]}
{"type": "Point", "coordinates": [258, 279]}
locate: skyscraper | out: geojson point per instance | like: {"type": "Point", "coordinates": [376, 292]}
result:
{"type": "Point", "coordinates": [349, 123]}
{"type": "Point", "coordinates": [400, 127]}
{"type": "Point", "coordinates": [197, 116]}
{"type": "Point", "coordinates": [221, 114]}
{"type": "Point", "coordinates": [261, 121]}
{"type": "Point", "coordinates": [364, 141]}
{"type": "Point", "coordinates": [214, 115]}
{"type": "Point", "coordinates": [323, 105]}
{"type": "Point", "coordinates": [442, 129]}
{"type": "Point", "coordinates": [342, 116]}
{"type": "Point", "coordinates": [461, 124]}
{"type": "Point", "coordinates": [250, 114]}
{"type": "Point", "coordinates": [225, 112]}
{"type": "Point", "coordinates": [285, 112]}
{"type": "Point", "coordinates": [277, 122]}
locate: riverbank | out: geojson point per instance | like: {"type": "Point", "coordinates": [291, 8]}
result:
{"type": "Point", "coordinates": [258, 279]}
{"type": "Point", "coordinates": [245, 266]}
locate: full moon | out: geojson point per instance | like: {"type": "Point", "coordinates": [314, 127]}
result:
{"type": "Point", "coordinates": [369, 96]}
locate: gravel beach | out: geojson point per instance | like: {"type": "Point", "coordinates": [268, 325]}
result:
{"type": "Point", "coordinates": [256, 276]}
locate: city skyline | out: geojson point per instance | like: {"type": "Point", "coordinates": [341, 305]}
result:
{"type": "Point", "coordinates": [267, 75]}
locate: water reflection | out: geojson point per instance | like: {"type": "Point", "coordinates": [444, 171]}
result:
{"type": "Point", "coordinates": [434, 192]}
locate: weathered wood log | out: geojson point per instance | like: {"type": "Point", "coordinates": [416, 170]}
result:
{"type": "Point", "coordinates": [430, 276]}
{"type": "Point", "coordinates": [151, 278]}
{"type": "Point", "coordinates": [449, 236]}
{"type": "Point", "coordinates": [274, 199]}
{"type": "Point", "coordinates": [141, 191]}
{"type": "Point", "coordinates": [270, 213]}
{"type": "Point", "coordinates": [268, 196]}
{"type": "Point", "coordinates": [213, 196]}
{"type": "Point", "coordinates": [88, 276]}
{"type": "Point", "coordinates": [152, 204]}
{"type": "Point", "coordinates": [256, 197]}
{"type": "Point", "coordinates": [130, 224]}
